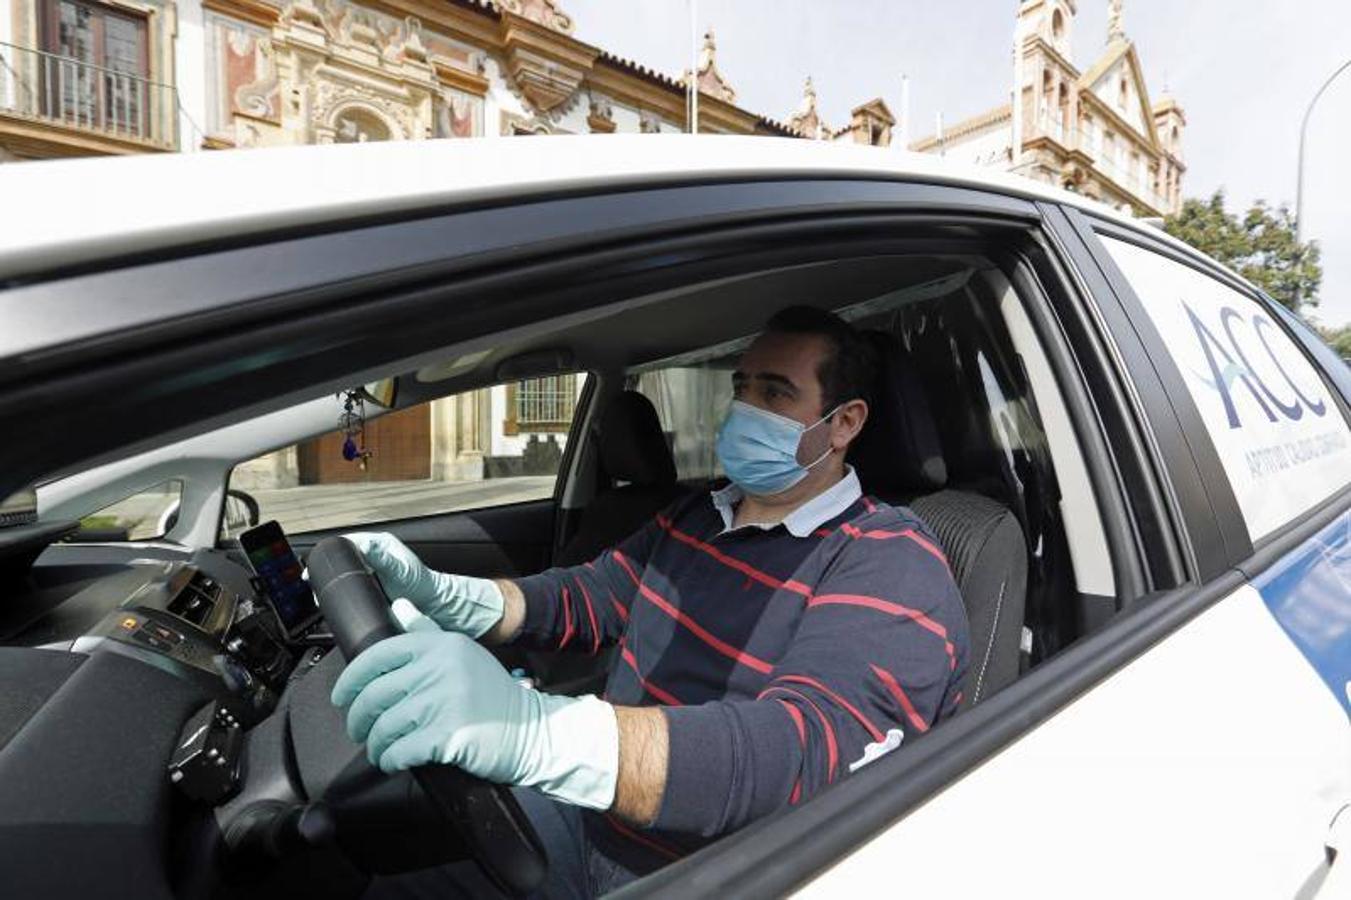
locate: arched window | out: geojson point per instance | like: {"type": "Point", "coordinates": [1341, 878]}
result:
{"type": "Point", "coordinates": [1124, 92]}
{"type": "Point", "coordinates": [1058, 26]}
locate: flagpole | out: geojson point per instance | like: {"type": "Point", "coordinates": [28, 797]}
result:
{"type": "Point", "coordinates": [905, 112]}
{"type": "Point", "coordinates": [1016, 102]}
{"type": "Point", "coordinates": [694, 67]}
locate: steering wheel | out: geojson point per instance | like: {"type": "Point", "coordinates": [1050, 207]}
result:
{"type": "Point", "coordinates": [500, 837]}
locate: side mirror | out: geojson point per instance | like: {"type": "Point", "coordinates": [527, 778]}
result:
{"type": "Point", "coordinates": [241, 511]}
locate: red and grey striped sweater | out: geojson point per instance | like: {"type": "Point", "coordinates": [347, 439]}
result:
{"type": "Point", "coordinates": [778, 659]}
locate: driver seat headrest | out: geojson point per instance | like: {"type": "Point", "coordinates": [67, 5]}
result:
{"type": "Point", "coordinates": [632, 444]}
{"type": "Point", "coordinates": [899, 452]}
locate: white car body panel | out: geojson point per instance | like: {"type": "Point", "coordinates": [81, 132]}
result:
{"type": "Point", "coordinates": [186, 198]}
{"type": "Point", "coordinates": [1211, 766]}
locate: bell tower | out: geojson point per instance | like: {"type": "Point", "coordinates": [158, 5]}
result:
{"type": "Point", "coordinates": [1051, 20]}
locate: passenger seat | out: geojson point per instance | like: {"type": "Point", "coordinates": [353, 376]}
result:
{"type": "Point", "coordinates": [634, 456]}
{"type": "Point", "coordinates": [899, 459]}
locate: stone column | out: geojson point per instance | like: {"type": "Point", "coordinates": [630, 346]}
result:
{"type": "Point", "coordinates": [444, 444]}
{"type": "Point", "coordinates": [469, 462]}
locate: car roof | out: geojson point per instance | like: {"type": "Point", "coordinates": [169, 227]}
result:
{"type": "Point", "coordinates": [84, 210]}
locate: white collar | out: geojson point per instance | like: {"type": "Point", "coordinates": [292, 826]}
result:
{"type": "Point", "coordinates": [802, 521]}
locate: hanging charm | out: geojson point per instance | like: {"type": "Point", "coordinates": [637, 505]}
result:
{"type": "Point", "coordinates": [353, 425]}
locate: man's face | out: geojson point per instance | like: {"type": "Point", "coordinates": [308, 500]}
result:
{"type": "Point", "coordinates": [779, 374]}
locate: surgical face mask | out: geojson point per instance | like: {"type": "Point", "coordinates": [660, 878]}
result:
{"type": "Point", "coordinates": [758, 449]}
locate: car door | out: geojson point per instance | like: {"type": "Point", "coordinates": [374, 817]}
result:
{"type": "Point", "coordinates": [1215, 762]}
{"type": "Point", "coordinates": [1197, 744]}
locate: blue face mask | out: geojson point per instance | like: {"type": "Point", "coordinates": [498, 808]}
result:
{"type": "Point", "coordinates": [758, 449]}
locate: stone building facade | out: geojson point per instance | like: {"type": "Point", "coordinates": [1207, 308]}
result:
{"type": "Point", "coordinates": [1094, 131]}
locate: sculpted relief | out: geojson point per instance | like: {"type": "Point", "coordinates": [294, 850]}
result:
{"type": "Point", "coordinates": [333, 71]}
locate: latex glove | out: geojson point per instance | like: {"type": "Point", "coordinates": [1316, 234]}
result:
{"type": "Point", "coordinates": [454, 602]}
{"type": "Point", "coordinates": [439, 697]}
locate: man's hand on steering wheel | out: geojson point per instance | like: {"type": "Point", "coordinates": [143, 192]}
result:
{"type": "Point", "coordinates": [432, 696]}
{"type": "Point", "coordinates": [457, 603]}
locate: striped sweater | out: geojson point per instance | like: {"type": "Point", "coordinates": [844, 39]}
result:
{"type": "Point", "coordinates": [782, 662]}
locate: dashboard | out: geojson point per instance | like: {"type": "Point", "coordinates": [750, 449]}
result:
{"type": "Point", "coordinates": [151, 702]}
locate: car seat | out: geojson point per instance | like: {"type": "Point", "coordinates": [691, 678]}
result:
{"type": "Point", "coordinates": [899, 459]}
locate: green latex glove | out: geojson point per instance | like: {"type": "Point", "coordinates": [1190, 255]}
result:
{"type": "Point", "coordinates": [460, 603]}
{"type": "Point", "coordinates": [428, 697]}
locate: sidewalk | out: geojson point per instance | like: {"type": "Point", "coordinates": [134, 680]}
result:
{"type": "Point", "coordinates": [318, 507]}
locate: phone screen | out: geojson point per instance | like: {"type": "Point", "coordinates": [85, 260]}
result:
{"type": "Point", "coordinates": [277, 567]}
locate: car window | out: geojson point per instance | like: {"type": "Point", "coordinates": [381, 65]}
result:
{"type": "Point", "coordinates": [691, 402]}
{"type": "Point", "coordinates": [143, 516]}
{"type": "Point", "coordinates": [1280, 435]}
{"type": "Point", "coordinates": [486, 447]}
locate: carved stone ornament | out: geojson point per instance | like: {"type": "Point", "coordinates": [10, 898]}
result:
{"type": "Point", "coordinates": [545, 68]}
{"type": "Point", "coordinates": [335, 102]}
{"type": "Point", "coordinates": [413, 48]}
{"type": "Point", "coordinates": [600, 116]}
{"type": "Point", "coordinates": [1116, 30]}
{"type": "Point", "coordinates": [543, 12]}
{"type": "Point", "coordinates": [710, 79]}
{"type": "Point", "coordinates": [302, 12]}
{"type": "Point", "coordinates": [258, 99]}
{"type": "Point", "coordinates": [649, 123]}
{"type": "Point", "coordinates": [807, 121]}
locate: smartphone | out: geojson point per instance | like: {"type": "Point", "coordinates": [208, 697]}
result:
{"type": "Point", "coordinates": [281, 576]}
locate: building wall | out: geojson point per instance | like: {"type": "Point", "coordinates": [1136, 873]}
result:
{"type": "Point", "coordinates": [986, 148]}
{"type": "Point", "coordinates": [190, 73]}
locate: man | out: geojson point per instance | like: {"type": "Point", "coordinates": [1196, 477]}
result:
{"type": "Point", "coordinates": [773, 637]}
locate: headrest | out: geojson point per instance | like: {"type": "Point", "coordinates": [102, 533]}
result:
{"type": "Point", "coordinates": [899, 451]}
{"type": "Point", "coordinates": [633, 447]}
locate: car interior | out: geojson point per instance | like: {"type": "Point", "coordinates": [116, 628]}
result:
{"type": "Point", "coordinates": [966, 427]}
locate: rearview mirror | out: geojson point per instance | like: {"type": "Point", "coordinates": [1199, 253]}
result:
{"type": "Point", "coordinates": [382, 393]}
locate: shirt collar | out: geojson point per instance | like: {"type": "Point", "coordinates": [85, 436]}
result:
{"type": "Point", "coordinates": [802, 521]}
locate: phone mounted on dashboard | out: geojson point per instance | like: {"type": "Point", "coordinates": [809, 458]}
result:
{"type": "Point", "coordinates": [279, 578]}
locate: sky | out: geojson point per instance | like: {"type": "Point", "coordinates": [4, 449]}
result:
{"type": "Point", "coordinates": [1244, 71]}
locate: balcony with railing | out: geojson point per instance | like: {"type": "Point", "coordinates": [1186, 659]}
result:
{"type": "Point", "coordinates": [1054, 127]}
{"type": "Point", "coordinates": [1102, 158]}
{"type": "Point", "coordinates": [102, 109]}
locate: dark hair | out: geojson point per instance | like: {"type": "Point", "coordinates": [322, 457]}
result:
{"type": "Point", "coordinates": [848, 369]}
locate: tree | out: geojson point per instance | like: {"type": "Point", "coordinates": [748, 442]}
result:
{"type": "Point", "coordinates": [1261, 247]}
{"type": "Point", "coordinates": [1339, 339]}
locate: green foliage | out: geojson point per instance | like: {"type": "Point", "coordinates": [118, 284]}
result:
{"type": "Point", "coordinates": [1261, 247]}
{"type": "Point", "coordinates": [1339, 339]}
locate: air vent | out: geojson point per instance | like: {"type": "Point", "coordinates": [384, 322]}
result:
{"type": "Point", "coordinates": [198, 597]}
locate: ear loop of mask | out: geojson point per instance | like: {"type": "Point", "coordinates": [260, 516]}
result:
{"type": "Point", "coordinates": [829, 448]}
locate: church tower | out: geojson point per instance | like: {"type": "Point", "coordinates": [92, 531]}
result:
{"type": "Point", "coordinates": [1169, 122]}
{"type": "Point", "coordinates": [1051, 20]}
{"type": "Point", "coordinates": [1049, 80]}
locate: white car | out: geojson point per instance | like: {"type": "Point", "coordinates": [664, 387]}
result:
{"type": "Point", "coordinates": [1139, 466]}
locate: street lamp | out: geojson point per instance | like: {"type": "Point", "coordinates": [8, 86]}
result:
{"type": "Point", "coordinates": [1303, 132]}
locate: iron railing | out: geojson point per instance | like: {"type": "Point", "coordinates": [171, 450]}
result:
{"type": "Point", "coordinates": [61, 90]}
{"type": "Point", "coordinates": [546, 401]}
{"type": "Point", "coordinates": [1129, 177]}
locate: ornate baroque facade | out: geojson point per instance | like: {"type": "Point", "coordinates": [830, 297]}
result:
{"type": "Point", "coordinates": [81, 77]}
